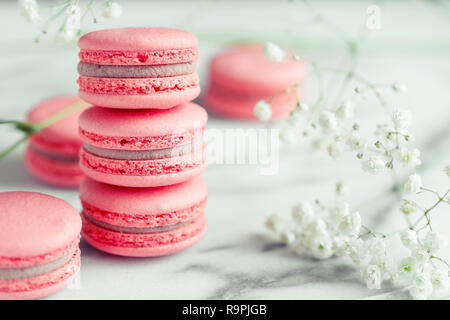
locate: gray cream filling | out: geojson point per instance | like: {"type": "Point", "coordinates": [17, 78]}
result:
{"type": "Point", "coordinates": [33, 271]}
{"type": "Point", "coordinates": [143, 154]}
{"type": "Point", "coordinates": [150, 71]}
{"type": "Point", "coordinates": [135, 230]}
{"type": "Point", "coordinates": [54, 156]}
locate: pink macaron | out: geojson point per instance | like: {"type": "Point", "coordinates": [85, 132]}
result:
{"type": "Point", "coordinates": [39, 253]}
{"type": "Point", "coordinates": [52, 154]}
{"type": "Point", "coordinates": [241, 76]}
{"type": "Point", "coordinates": [143, 222]}
{"type": "Point", "coordinates": [134, 68]}
{"type": "Point", "coordinates": [143, 148]}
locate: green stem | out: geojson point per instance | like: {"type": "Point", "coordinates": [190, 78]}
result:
{"type": "Point", "coordinates": [427, 211]}
{"type": "Point", "coordinates": [33, 128]}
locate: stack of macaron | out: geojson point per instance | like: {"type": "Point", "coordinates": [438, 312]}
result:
{"type": "Point", "coordinates": [52, 154]}
{"type": "Point", "coordinates": [241, 76]}
{"type": "Point", "coordinates": [142, 141]}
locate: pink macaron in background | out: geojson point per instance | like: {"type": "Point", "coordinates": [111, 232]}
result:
{"type": "Point", "coordinates": [133, 68]}
{"type": "Point", "coordinates": [52, 154]}
{"type": "Point", "coordinates": [39, 237]}
{"type": "Point", "coordinates": [143, 148]}
{"type": "Point", "coordinates": [241, 76]}
{"type": "Point", "coordinates": [143, 222]}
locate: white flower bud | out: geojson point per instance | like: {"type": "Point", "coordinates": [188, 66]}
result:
{"type": "Point", "coordinates": [272, 52]}
{"type": "Point", "coordinates": [335, 150]}
{"type": "Point", "coordinates": [327, 121]}
{"type": "Point", "coordinates": [402, 119]}
{"type": "Point", "coordinates": [409, 238]}
{"type": "Point", "coordinates": [410, 157]}
{"type": "Point", "coordinates": [433, 242]}
{"type": "Point", "coordinates": [303, 213]}
{"type": "Point", "coordinates": [447, 170]}
{"type": "Point", "coordinates": [440, 279]}
{"type": "Point", "coordinates": [273, 222]}
{"type": "Point", "coordinates": [287, 237]}
{"type": "Point", "coordinates": [112, 9]}
{"type": "Point", "coordinates": [374, 165]}
{"type": "Point", "coordinates": [345, 111]}
{"type": "Point", "coordinates": [407, 207]}
{"type": "Point", "coordinates": [372, 276]}
{"type": "Point", "coordinates": [422, 287]}
{"type": "Point", "coordinates": [350, 224]}
{"type": "Point", "coordinates": [414, 184]}
{"type": "Point", "coordinates": [263, 110]}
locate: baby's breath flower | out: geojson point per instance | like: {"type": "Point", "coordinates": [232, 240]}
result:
{"type": "Point", "coordinates": [399, 87]}
{"type": "Point", "coordinates": [273, 222]}
{"type": "Point", "coordinates": [287, 237]}
{"type": "Point", "coordinates": [345, 110]}
{"type": "Point", "coordinates": [30, 10]}
{"type": "Point", "coordinates": [263, 110]}
{"type": "Point", "coordinates": [112, 9]}
{"type": "Point", "coordinates": [409, 238]}
{"type": "Point", "coordinates": [372, 276]}
{"type": "Point", "coordinates": [407, 207]}
{"type": "Point", "coordinates": [440, 279]}
{"type": "Point", "coordinates": [272, 52]}
{"type": "Point", "coordinates": [383, 131]}
{"type": "Point", "coordinates": [374, 165]}
{"type": "Point", "coordinates": [402, 119]}
{"type": "Point", "coordinates": [407, 269]}
{"type": "Point", "coordinates": [358, 252]}
{"type": "Point", "coordinates": [73, 21]}
{"type": "Point", "coordinates": [377, 249]}
{"type": "Point", "coordinates": [422, 287]}
{"type": "Point", "coordinates": [410, 157]}
{"type": "Point", "coordinates": [339, 211]}
{"type": "Point", "coordinates": [341, 245]}
{"type": "Point", "coordinates": [327, 121]}
{"type": "Point", "coordinates": [302, 106]}
{"type": "Point", "coordinates": [354, 142]}
{"type": "Point", "coordinates": [335, 149]}
{"type": "Point", "coordinates": [350, 224]}
{"type": "Point", "coordinates": [303, 213]}
{"type": "Point", "coordinates": [66, 35]}
{"type": "Point", "coordinates": [414, 184]}
{"type": "Point", "coordinates": [432, 242]}
{"type": "Point", "coordinates": [322, 247]}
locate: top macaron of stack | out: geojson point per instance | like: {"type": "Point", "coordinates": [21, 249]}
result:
{"type": "Point", "coordinates": [138, 68]}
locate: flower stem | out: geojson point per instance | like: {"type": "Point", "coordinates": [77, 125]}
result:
{"type": "Point", "coordinates": [31, 129]}
{"type": "Point", "coordinates": [427, 211]}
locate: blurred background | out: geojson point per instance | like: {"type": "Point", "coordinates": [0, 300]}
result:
{"type": "Point", "coordinates": [411, 44]}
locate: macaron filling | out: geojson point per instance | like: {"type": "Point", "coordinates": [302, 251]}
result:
{"type": "Point", "coordinates": [33, 271]}
{"type": "Point", "coordinates": [54, 156]}
{"type": "Point", "coordinates": [143, 154]}
{"type": "Point", "coordinates": [151, 71]}
{"type": "Point", "coordinates": [124, 229]}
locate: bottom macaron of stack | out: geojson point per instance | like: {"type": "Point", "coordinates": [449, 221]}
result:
{"type": "Point", "coordinates": [143, 222]}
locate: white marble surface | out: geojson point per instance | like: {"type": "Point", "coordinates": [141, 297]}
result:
{"type": "Point", "coordinates": [237, 259]}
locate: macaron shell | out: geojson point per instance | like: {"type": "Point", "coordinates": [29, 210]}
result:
{"type": "Point", "coordinates": [54, 172]}
{"type": "Point", "coordinates": [138, 38]}
{"type": "Point", "coordinates": [120, 124]}
{"type": "Point", "coordinates": [43, 285]}
{"type": "Point", "coordinates": [163, 100]}
{"type": "Point", "coordinates": [245, 70]}
{"type": "Point", "coordinates": [61, 136]}
{"type": "Point", "coordinates": [35, 225]}
{"type": "Point", "coordinates": [143, 181]}
{"type": "Point", "coordinates": [243, 108]}
{"type": "Point", "coordinates": [143, 201]}
{"type": "Point", "coordinates": [144, 245]}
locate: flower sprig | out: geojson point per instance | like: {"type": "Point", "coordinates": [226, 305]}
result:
{"type": "Point", "coordinates": [67, 13]}
{"type": "Point", "coordinates": [324, 231]}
